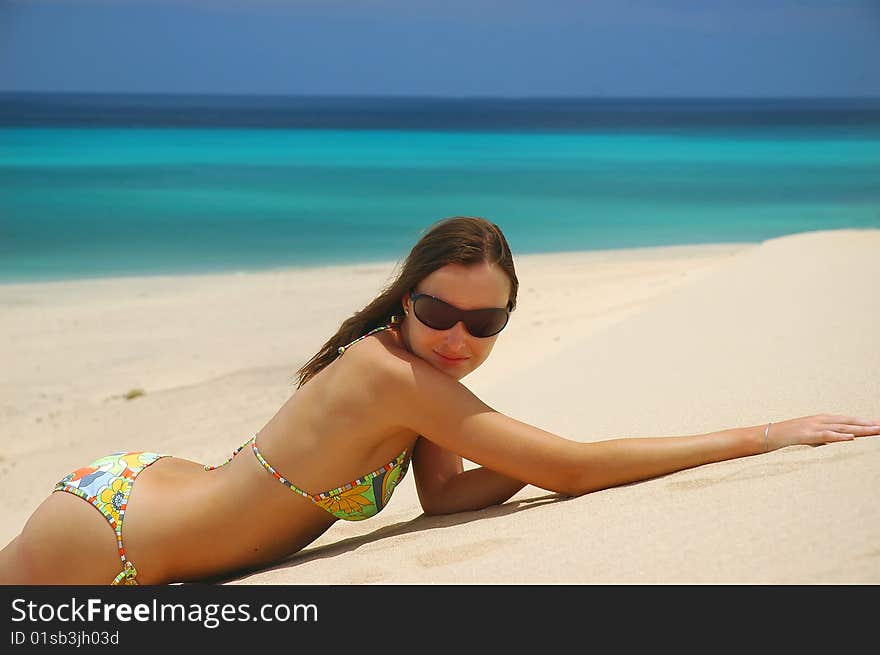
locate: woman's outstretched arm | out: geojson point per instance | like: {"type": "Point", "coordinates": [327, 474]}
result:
{"type": "Point", "coordinates": [618, 461]}
{"type": "Point", "coordinates": [445, 412]}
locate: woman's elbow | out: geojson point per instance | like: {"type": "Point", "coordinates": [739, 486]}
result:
{"type": "Point", "coordinates": [564, 485]}
{"type": "Point", "coordinates": [573, 488]}
{"type": "Point", "coordinates": [432, 510]}
{"type": "Point", "coordinates": [435, 505]}
{"type": "Point", "coordinates": [575, 482]}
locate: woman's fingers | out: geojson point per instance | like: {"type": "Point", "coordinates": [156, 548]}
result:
{"type": "Point", "coordinates": [852, 420]}
{"type": "Point", "coordinates": [857, 430]}
{"type": "Point", "coordinates": [832, 435]}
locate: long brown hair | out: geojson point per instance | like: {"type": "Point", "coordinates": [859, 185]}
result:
{"type": "Point", "coordinates": [462, 240]}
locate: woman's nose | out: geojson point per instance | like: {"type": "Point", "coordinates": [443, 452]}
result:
{"type": "Point", "coordinates": [456, 336]}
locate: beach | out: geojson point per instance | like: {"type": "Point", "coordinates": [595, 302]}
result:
{"type": "Point", "coordinates": [654, 341]}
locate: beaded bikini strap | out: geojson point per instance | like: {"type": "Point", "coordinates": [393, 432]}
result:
{"type": "Point", "coordinates": [391, 323]}
{"type": "Point", "coordinates": [211, 467]}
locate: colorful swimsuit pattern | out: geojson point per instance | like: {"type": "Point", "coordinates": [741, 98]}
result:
{"type": "Point", "coordinates": [106, 483]}
{"type": "Point", "coordinates": [358, 500]}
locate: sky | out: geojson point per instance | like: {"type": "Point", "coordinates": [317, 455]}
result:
{"type": "Point", "coordinates": [450, 48]}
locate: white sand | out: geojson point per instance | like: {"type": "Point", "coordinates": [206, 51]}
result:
{"type": "Point", "coordinates": [642, 342]}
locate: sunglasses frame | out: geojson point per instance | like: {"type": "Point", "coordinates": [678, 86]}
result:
{"type": "Point", "coordinates": [462, 314]}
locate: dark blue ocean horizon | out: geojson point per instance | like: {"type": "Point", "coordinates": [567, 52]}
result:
{"type": "Point", "coordinates": [95, 185]}
{"type": "Point", "coordinates": [401, 112]}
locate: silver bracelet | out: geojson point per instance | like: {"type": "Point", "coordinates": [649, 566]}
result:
{"type": "Point", "coordinates": [766, 441]}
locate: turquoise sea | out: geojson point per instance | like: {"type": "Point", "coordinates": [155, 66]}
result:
{"type": "Point", "coordinates": [94, 186]}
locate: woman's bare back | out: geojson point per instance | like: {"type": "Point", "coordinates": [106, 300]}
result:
{"type": "Point", "coordinates": [331, 431]}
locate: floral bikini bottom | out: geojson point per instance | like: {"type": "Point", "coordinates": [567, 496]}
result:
{"type": "Point", "coordinates": [106, 483]}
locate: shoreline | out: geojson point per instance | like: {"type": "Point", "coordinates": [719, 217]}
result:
{"type": "Point", "coordinates": [636, 251]}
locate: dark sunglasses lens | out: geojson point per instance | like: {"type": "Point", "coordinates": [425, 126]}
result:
{"type": "Point", "coordinates": [486, 322]}
{"type": "Point", "coordinates": [440, 316]}
{"type": "Point", "coordinates": [435, 314]}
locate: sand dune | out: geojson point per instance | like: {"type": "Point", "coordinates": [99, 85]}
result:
{"type": "Point", "coordinates": [643, 342]}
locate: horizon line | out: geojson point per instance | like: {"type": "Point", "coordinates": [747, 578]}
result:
{"type": "Point", "coordinates": [436, 96]}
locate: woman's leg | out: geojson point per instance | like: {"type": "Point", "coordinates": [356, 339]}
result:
{"type": "Point", "coordinates": [65, 541]}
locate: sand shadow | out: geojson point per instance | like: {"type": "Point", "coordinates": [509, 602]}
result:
{"type": "Point", "coordinates": [417, 524]}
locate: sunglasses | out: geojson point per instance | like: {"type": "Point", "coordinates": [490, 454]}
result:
{"type": "Point", "coordinates": [438, 315]}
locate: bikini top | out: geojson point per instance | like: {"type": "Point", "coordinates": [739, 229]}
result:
{"type": "Point", "coordinates": [359, 499]}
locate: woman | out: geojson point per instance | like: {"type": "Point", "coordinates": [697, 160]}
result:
{"type": "Point", "coordinates": [382, 391]}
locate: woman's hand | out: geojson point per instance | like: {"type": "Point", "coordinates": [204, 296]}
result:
{"type": "Point", "coordinates": [819, 429]}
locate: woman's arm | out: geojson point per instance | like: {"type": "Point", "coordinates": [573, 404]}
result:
{"type": "Point", "coordinates": [444, 487]}
{"type": "Point", "coordinates": [617, 461]}
{"type": "Point", "coordinates": [445, 412]}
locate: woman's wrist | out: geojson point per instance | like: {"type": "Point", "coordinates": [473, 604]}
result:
{"type": "Point", "coordinates": [757, 439]}
{"type": "Point", "coordinates": [767, 437]}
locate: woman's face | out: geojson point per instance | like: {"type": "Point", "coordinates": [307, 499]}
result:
{"type": "Point", "coordinates": [455, 351]}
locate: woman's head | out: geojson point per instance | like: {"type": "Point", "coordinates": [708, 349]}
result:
{"type": "Point", "coordinates": [464, 261]}
{"type": "Point", "coordinates": [474, 298]}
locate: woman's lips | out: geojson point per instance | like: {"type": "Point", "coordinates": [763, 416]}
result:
{"type": "Point", "coordinates": [449, 360]}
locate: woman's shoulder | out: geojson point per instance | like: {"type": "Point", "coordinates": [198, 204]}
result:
{"type": "Point", "coordinates": [368, 360]}
{"type": "Point", "coordinates": [384, 362]}
{"type": "Point", "coordinates": [392, 379]}
{"type": "Point", "coordinates": [408, 382]}
{"type": "Point", "coordinates": [380, 356]}
{"type": "Point", "coordinates": [365, 381]}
